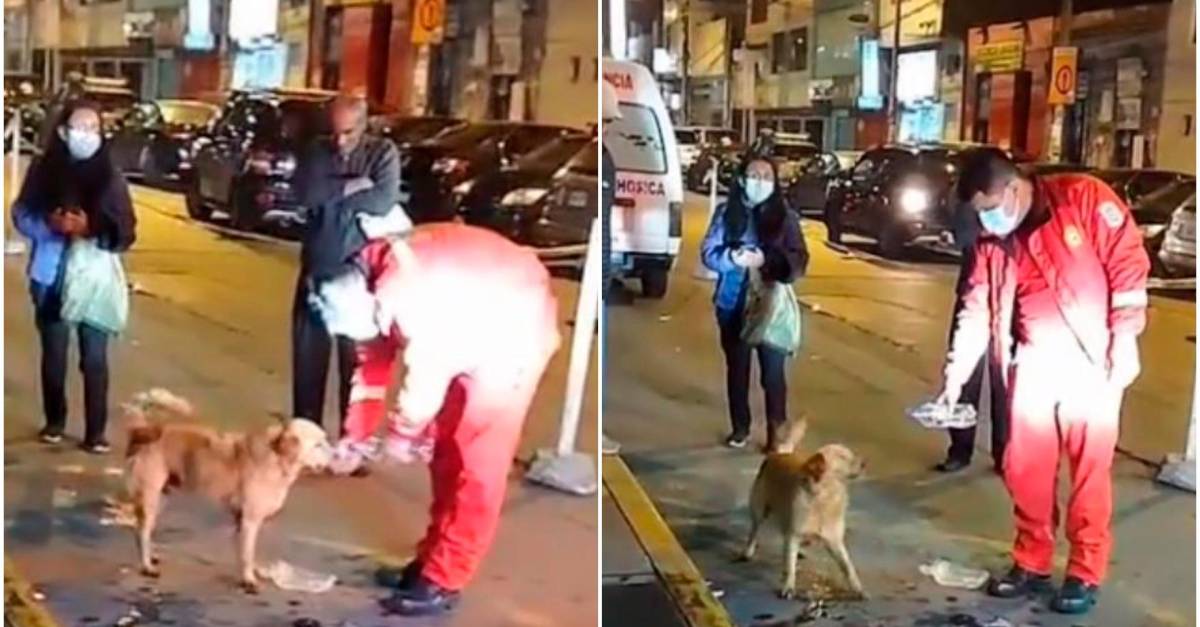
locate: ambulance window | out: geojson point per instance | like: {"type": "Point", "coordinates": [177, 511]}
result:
{"type": "Point", "coordinates": [636, 141]}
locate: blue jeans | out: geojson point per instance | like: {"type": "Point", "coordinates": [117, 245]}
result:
{"type": "Point", "coordinates": [55, 335]}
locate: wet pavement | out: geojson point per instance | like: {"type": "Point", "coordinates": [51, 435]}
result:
{"type": "Point", "coordinates": [210, 321]}
{"type": "Point", "coordinates": [874, 333]}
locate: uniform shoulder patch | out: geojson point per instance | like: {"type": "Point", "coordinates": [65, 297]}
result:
{"type": "Point", "coordinates": [1112, 214]}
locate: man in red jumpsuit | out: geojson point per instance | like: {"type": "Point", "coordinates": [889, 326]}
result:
{"type": "Point", "coordinates": [1064, 268]}
{"type": "Point", "coordinates": [476, 322]}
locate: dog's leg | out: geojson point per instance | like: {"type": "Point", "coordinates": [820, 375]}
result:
{"type": "Point", "coordinates": [836, 546]}
{"type": "Point", "coordinates": [756, 519]}
{"type": "Point", "coordinates": [791, 546]}
{"type": "Point", "coordinates": [146, 507]}
{"type": "Point", "coordinates": [247, 542]}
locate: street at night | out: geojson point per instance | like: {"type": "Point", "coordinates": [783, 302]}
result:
{"type": "Point", "coordinates": [211, 323]}
{"type": "Point", "coordinates": [874, 338]}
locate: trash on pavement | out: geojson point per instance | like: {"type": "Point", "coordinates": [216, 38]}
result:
{"type": "Point", "coordinates": [664, 318]}
{"type": "Point", "coordinates": [71, 469]}
{"type": "Point", "coordinates": [63, 498]}
{"type": "Point", "coordinates": [935, 415]}
{"type": "Point", "coordinates": [296, 579]}
{"type": "Point", "coordinates": [952, 575]}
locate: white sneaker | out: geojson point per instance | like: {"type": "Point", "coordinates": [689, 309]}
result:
{"type": "Point", "coordinates": [609, 446]}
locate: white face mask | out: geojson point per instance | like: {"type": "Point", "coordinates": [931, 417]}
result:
{"type": "Point", "coordinates": [757, 191]}
{"type": "Point", "coordinates": [81, 144]}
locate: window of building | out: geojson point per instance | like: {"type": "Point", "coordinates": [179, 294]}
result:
{"type": "Point", "coordinates": [758, 11]}
{"type": "Point", "coordinates": [800, 49]}
{"type": "Point", "coordinates": [780, 53]}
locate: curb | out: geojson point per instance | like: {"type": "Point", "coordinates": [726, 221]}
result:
{"type": "Point", "coordinates": [682, 580]}
{"type": "Point", "coordinates": [21, 607]}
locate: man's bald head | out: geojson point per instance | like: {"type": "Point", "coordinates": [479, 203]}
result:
{"type": "Point", "coordinates": [348, 118]}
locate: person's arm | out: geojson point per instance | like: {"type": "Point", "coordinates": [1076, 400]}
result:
{"type": "Point", "coordinates": [786, 259]}
{"type": "Point", "coordinates": [118, 230]}
{"type": "Point", "coordinates": [715, 254]}
{"type": "Point", "coordinates": [972, 326]}
{"type": "Point", "coordinates": [27, 215]}
{"type": "Point", "coordinates": [384, 192]}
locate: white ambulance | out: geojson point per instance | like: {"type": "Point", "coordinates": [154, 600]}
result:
{"type": "Point", "coordinates": [647, 222]}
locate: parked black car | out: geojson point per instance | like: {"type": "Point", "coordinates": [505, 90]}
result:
{"type": "Point", "coordinates": [1155, 215]}
{"type": "Point", "coordinates": [1133, 185]}
{"type": "Point", "coordinates": [896, 194]}
{"type": "Point", "coordinates": [521, 183]}
{"type": "Point", "coordinates": [244, 164]}
{"type": "Point", "coordinates": [436, 166]}
{"type": "Point", "coordinates": [23, 95]}
{"type": "Point", "coordinates": [406, 130]}
{"type": "Point", "coordinates": [1177, 255]}
{"type": "Point", "coordinates": [154, 140]}
{"type": "Point", "coordinates": [560, 230]}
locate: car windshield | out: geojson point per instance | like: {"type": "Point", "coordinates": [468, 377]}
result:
{"type": "Point", "coordinates": [185, 113]}
{"type": "Point", "coordinates": [470, 135]}
{"type": "Point", "coordinates": [552, 155]}
{"type": "Point", "coordinates": [299, 119]}
{"type": "Point", "coordinates": [636, 140]}
{"type": "Point", "coordinates": [1157, 207]}
{"type": "Point", "coordinates": [585, 160]}
{"type": "Point", "coordinates": [417, 129]}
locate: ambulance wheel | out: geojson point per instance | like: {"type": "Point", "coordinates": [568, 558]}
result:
{"type": "Point", "coordinates": [196, 207]}
{"type": "Point", "coordinates": [654, 282]}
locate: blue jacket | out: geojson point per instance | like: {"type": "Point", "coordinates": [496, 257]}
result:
{"type": "Point", "coordinates": [786, 258]}
{"type": "Point", "coordinates": [46, 246]}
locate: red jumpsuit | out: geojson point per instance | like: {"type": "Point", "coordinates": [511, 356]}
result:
{"type": "Point", "coordinates": [1073, 279]}
{"type": "Point", "coordinates": [476, 321]}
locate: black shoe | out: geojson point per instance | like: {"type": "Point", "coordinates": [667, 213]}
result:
{"type": "Point", "coordinates": [736, 441]}
{"type": "Point", "coordinates": [1075, 597]}
{"type": "Point", "coordinates": [399, 578]}
{"type": "Point", "coordinates": [425, 598]}
{"type": "Point", "coordinates": [98, 446]}
{"type": "Point", "coordinates": [1017, 582]}
{"type": "Point", "coordinates": [50, 436]}
{"type": "Point", "coordinates": [952, 465]}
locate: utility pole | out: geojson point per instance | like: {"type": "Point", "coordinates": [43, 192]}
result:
{"type": "Point", "coordinates": [893, 106]}
{"type": "Point", "coordinates": [687, 59]}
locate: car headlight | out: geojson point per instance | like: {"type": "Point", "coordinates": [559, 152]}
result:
{"type": "Point", "coordinates": [464, 188]}
{"type": "Point", "coordinates": [523, 197]}
{"type": "Point", "coordinates": [913, 200]}
{"type": "Point", "coordinates": [1151, 231]}
{"type": "Point", "coordinates": [285, 165]}
{"type": "Point", "coordinates": [447, 165]}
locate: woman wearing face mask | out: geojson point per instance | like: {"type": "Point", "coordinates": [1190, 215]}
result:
{"type": "Point", "coordinates": [752, 229]}
{"type": "Point", "coordinates": [72, 191]}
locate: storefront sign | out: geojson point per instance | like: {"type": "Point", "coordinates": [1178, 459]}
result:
{"type": "Point", "coordinates": [870, 96]}
{"type": "Point", "coordinates": [1062, 76]}
{"type": "Point", "coordinates": [429, 17]}
{"type": "Point", "coordinates": [1003, 56]}
{"type": "Point", "coordinates": [820, 89]}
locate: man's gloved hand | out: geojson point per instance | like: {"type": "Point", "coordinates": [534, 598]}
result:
{"type": "Point", "coordinates": [396, 222]}
{"type": "Point", "coordinates": [408, 443]}
{"type": "Point", "coordinates": [356, 185]}
{"type": "Point", "coordinates": [1124, 364]}
{"type": "Point", "coordinates": [350, 455]}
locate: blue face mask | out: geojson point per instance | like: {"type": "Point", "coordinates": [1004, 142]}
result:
{"type": "Point", "coordinates": [998, 221]}
{"type": "Point", "coordinates": [82, 144]}
{"type": "Point", "coordinates": [757, 191]}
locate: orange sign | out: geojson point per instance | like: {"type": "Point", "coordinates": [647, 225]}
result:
{"type": "Point", "coordinates": [1063, 76]}
{"type": "Point", "coordinates": [429, 19]}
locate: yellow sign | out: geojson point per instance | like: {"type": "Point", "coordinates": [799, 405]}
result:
{"type": "Point", "coordinates": [429, 19]}
{"type": "Point", "coordinates": [1002, 56]}
{"type": "Point", "coordinates": [1063, 76]}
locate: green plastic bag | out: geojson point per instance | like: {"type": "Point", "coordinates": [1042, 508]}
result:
{"type": "Point", "coordinates": [95, 292]}
{"type": "Point", "coordinates": [771, 315]}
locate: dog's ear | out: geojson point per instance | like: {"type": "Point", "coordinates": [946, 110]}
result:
{"type": "Point", "coordinates": [286, 445]}
{"type": "Point", "coordinates": [815, 467]}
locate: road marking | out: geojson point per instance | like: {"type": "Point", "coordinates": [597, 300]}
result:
{"type": "Point", "coordinates": [21, 605]}
{"type": "Point", "coordinates": [679, 574]}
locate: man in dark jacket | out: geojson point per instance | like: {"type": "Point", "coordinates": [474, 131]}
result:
{"type": "Point", "coordinates": [340, 180]}
{"type": "Point", "coordinates": [962, 441]}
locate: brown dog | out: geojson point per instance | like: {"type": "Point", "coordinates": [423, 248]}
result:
{"type": "Point", "coordinates": [807, 498]}
{"type": "Point", "coordinates": [248, 473]}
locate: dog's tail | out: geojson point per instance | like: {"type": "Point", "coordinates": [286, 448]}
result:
{"type": "Point", "coordinates": [791, 433]}
{"type": "Point", "coordinates": [141, 430]}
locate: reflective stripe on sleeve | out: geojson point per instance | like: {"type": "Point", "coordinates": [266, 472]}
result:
{"type": "Point", "coordinates": [1130, 298]}
{"type": "Point", "coordinates": [367, 393]}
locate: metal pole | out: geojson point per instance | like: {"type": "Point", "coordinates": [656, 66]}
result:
{"type": "Point", "coordinates": [581, 343]}
{"type": "Point", "coordinates": [687, 60]}
{"type": "Point", "coordinates": [893, 108]}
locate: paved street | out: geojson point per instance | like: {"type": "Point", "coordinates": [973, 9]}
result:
{"type": "Point", "coordinates": [874, 337]}
{"type": "Point", "coordinates": [210, 320]}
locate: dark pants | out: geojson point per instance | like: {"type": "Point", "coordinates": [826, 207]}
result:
{"type": "Point", "coordinates": [311, 347]}
{"type": "Point", "coordinates": [772, 372]}
{"type": "Point", "coordinates": [962, 441]}
{"type": "Point", "coordinates": [55, 335]}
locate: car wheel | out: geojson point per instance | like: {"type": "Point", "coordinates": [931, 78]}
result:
{"type": "Point", "coordinates": [654, 282]}
{"type": "Point", "coordinates": [242, 214]}
{"type": "Point", "coordinates": [196, 207]}
{"type": "Point", "coordinates": [1157, 268]}
{"type": "Point", "coordinates": [833, 222]}
{"type": "Point", "coordinates": [152, 173]}
{"type": "Point", "coordinates": [891, 242]}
